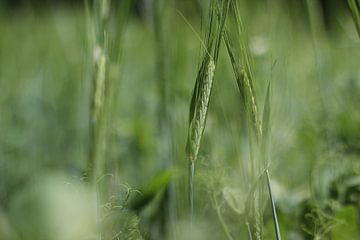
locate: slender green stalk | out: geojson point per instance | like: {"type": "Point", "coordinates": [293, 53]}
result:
{"type": "Point", "coordinates": [248, 230]}
{"type": "Point", "coordinates": [276, 223]}
{"type": "Point", "coordinates": [103, 65]}
{"type": "Point", "coordinates": [191, 187]}
{"type": "Point", "coordinates": [264, 150]}
{"type": "Point", "coordinates": [355, 11]}
{"type": "Point", "coordinates": [162, 10]}
{"type": "Point", "coordinates": [241, 63]}
{"type": "Point", "coordinates": [100, 16]}
{"type": "Point", "coordinates": [97, 18]}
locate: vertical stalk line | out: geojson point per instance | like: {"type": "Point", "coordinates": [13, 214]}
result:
{"type": "Point", "coordinates": [160, 22]}
{"type": "Point", "coordinates": [258, 131]}
{"type": "Point", "coordinates": [98, 17]}
{"type": "Point", "coordinates": [96, 125]}
{"type": "Point", "coordinates": [276, 223]}
{"type": "Point", "coordinates": [191, 189]}
{"type": "Point", "coordinates": [248, 230]}
{"type": "Point", "coordinates": [244, 78]}
{"type": "Point", "coordinates": [98, 21]}
{"type": "Point", "coordinates": [354, 6]}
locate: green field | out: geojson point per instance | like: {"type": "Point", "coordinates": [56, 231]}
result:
{"type": "Point", "coordinates": [159, 120]}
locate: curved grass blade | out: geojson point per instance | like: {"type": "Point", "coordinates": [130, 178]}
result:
{"type": "Point", "coordinates": [354, 6]}
{"type": "Point", "coordinates": [276, 222]}
{"type": "Point", "coordinates": [266, 123]}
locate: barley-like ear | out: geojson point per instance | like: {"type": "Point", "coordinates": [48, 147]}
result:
{"type": "Point", "coordinates": [241, 64]}
{"type": "Point", "coordinates": [198, 114]}
{"type": "Point", "coordinates": [203, 86]}
{"type": "Point", "coordinates": [240, 59]}
{"type": "Point", "coordinates": [204, 80]}
{"type": "Point", "coordinates": [199, 107]}
{"type": "Point", "coordinates": [355, 11]}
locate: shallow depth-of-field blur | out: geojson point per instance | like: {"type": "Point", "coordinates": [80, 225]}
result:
{"type": "Point", "coordinates": [309, 50]}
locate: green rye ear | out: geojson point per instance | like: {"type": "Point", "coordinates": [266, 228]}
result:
{"type": "Point", "coordinates": [203, 87]}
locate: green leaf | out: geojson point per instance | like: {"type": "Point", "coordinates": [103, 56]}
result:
{"type": "Point", "coordinates": [266, 120]}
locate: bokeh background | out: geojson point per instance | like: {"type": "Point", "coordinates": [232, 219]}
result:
{"type": "Point", "coordinates": [309, 50]}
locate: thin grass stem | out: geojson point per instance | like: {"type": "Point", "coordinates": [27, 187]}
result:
{"type": "Point", "coordinates": [355, 11]}
{"type": "Point", "coordinates": [276, 223]}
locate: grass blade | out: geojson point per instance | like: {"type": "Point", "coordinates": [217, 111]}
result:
{"type": "Point", "coordinates": [99, 73]}
{"type": "Point", "coordinates": [241, 62]}
{"type": "Point", "coordinates": [266, 123]}
{"type": "Point", "coordinates": [354, 6]}
{"type": "Point", "coordinates": [276, 223]}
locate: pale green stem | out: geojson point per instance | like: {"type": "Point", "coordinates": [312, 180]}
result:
{"type": "Point", "coordinates": [191, 189]}
{"type": "Point", "coordinates": [276, 223]}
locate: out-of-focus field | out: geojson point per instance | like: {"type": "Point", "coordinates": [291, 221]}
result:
{"type": "Point", "coordinates": [45, 89]}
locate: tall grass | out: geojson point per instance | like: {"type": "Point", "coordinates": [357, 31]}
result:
{"type": "Point", "coordinates": [203, 87]}
{"type": "Point", "coordinates": [98, 14]}
{"type": "Point", "coordinates": [41, 124]}
{"type": "Point", "coordinates": [105, 24]}
{"type": "Point", "coordinates": [105, 50]}
{"type": "Point", "coordinates": [162, 10]}
{"type": "Point", "coordinates": [258, 132]}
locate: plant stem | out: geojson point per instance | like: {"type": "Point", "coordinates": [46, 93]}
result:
{"type": "Point", "coordinates": [248, 230]}
{"type": "Point", "coordinates": [355, 11]}
{"type": "Point", "coordinates": [276, 223]}
{"type": "Point", "coordinates": [191, 189]}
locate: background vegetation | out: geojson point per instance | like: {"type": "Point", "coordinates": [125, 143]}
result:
{"type": "Point", "coordinates": [94, 106]}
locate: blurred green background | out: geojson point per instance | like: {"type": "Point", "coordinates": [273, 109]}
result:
{"type": "Point", "coordinates": [309, 49]}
